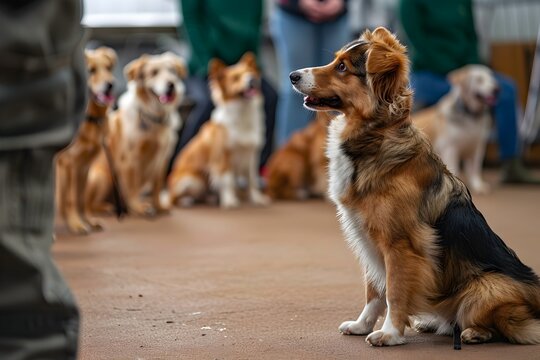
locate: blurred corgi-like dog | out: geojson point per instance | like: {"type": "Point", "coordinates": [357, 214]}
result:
{"type": "Point", "coordinates": [459, 124]}
{"type": "Point", "coordinates": [297, 171]}
{"type": "Point", "coordinates": [426, 250]}
{"type": "Point", "coordinates": [228, 146]}
{"type": "Point", "coordinates": [142, 134]}
{"type": "Point", "coordinates": [73, 163]}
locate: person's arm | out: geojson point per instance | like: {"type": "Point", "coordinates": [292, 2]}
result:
{"type": "Point", "coordinates": [474, 57]}
{"type": "Point", "coordinates": [197, 32]}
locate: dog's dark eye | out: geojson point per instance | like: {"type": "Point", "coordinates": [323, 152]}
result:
{"type": "Point", "coordinates": [342, 67]}
{"type": "Point", "coordinates": [154, 72]}
{"type": "Point", "coordinates": [92, 70]}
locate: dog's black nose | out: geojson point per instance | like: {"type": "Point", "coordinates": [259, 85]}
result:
{"type": "Point", "coordinates": [253, 83]}
{"type": "Point", "coordinates": [108, 87]}
{"type": "Point", "coordinates": [170, 87]}
{"type": "Point", "coordinates": [295, 77]}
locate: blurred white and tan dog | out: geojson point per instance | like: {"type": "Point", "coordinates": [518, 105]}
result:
{"type": "Point", "coordinates": [142, 133]}
{"type": "Point", "coordinates": [459, 124]}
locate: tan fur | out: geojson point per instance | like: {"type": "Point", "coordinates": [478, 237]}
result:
{"type": "Point", "coordinates": [141, 135]}
{"type": "Point", "coordinates": [73, 163]}
{"type": "Point", "coordinates": [458, 125]}
{"type": "Point", "coordinates": [298, 169]}
{"type": "Point", "coordinates": [228, 146]}
{"type": "Point", "coordinates": [391, 189]}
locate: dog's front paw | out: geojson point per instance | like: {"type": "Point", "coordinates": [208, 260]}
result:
{"type": "Point", "coordinates": [259, 199]}
{"type": "Point", "coordinates": [381, 338]}
{"type": "Point", "coordinates": [230, 202]}
{"type": "Point", "coordinates": [355, 328]}
{"type": "Point", "coordinates": [94, 225]}
{"type": "Point", "coordinates": [480, 187]}
{"type": "Point", "coordinates": [77, 226]}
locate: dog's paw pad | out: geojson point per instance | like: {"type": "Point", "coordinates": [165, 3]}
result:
{"type": "Point", "coordinates": [381, 338]}
{"type": "Point", "coordinates": [475, 336]}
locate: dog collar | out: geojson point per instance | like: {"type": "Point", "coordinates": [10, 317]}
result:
{"type": "Point", "coordinates": [146, 120]}
{"type": "Point", "coordinates": [460, 105]}
{"type": "Point", "coordinates": [95, 119]}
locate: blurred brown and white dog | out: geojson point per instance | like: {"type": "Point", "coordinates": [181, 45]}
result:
{"type": "Point", "coordinates": [298, 169]}
{"type": "Point", "coordinates": [142, 134]}
{"type": "Point", "coordinates": [459, 124]}
{"type": "Point", "coordinates": [228, 146]}
{"type": "Point", "coordinates": [426, 250]}
{"type": "Point", "coordinates": [73, 163]}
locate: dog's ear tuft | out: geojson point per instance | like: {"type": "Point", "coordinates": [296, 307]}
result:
{"type": "Point", "coordinates": [179, 64]}
{"type": "Point", "coordinates": [387, 64]}
{"type": "Point", "coordinates": [215, 66]}
{"type": "Point", "coordinates": [109, 54]}
{"type": "Point", "coordinates": [458, 76]}
{"type": "Point", "coordinates": [249, 59]}
{"type": "Point", "coordinates": [133, 70]}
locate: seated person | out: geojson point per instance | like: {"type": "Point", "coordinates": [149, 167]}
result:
{"type": "Point", "coordinates": [441, 38]}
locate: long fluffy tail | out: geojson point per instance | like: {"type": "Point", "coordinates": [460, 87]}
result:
{"type": "Point", "coordinates": [519, 323]}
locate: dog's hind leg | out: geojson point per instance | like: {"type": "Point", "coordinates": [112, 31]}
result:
{"type": "Point", "coordinates": [187, 189]}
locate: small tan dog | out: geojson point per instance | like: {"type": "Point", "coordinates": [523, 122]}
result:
{"type": "Point", "coordinates": [298, 169]}
{"type": "Point", "coordinates": [142, 134]}
{"type": "Point", "coordinates": [228, 146]}
{"type": "Point", "coordinates": [73, 163]}
{"type": "Point", "coordinates": [459, 124]}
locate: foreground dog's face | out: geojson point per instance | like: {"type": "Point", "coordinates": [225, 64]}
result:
{"type": "Point", "coordinates": [239, 81]}
{"type": "Point", "coordinates": [100, 64]}
{"type": "Point", "coordinates": [367, 75]}
{"type": "Point", "coordinates": [478, 86]}
{"type": "Point", "coordinates": [158, 77]}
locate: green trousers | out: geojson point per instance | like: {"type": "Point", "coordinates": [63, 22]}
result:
{"type": "Point", "coordinates": [39, 318]}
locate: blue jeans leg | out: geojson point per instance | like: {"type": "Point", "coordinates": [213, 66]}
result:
{"type": "Point", "coordinates": [428, 88]}
{"type": "Point", "coordinates": [506, 119]}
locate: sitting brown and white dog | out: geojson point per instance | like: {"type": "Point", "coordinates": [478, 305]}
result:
{"type": "Point", "coordinates": [459, 124]}
{"type": "Point", "coordinates": [142, 134]}
{"type": "Point", "coordinates": [73, 163]}
{"type": "Point", "coordinates": [228, 146]}
{"type": "Point", "coordinates": [426, 250]}
{"type": "Point", "coordinates": [298, 169]}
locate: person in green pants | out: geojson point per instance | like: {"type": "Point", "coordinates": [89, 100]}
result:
{"type": "Point", "coordinates": [42, 99]}
{"type": "Point", "coordinates": [224, 30]}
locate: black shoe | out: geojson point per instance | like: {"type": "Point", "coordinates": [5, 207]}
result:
{"type": "Point", "coordinates": [514, 172]}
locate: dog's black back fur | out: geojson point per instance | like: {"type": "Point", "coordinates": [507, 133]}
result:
{"type": "Point", "coordinates": [464, 233]}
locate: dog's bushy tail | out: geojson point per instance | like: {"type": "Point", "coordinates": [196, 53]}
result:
{"type": "Point", "coordinates": [520, 323]}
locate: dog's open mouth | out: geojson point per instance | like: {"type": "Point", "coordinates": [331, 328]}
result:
{"type": "Point", "coordinates": [168, 97]}
{"type": "Point", "coordinates": [315, 102]}
{"type": "Point", "coordinates": [103, 98]}
{"type": "Point", "coordinates": [250, 92]}
{"type": "Point", "coordinates": [489, 100]}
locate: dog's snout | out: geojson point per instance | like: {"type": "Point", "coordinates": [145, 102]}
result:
{"type": "Point", "coordinates": [170, 87]}
{"type": "Point", "coordinates": [108, 87]}
{"type": "Point", "coordinates": [295, 76]}
{"type": "Point", "coordinates": [253, 83]}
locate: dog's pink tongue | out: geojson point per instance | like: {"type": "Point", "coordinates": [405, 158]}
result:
{"type": "Point", "coordinates": [251, 92]}
{"type": "Point", "coordinates": [491, 100]}
{"type": "Point", "coordinates": [165, 99]}
{"type": "Point", "coordinates": [105, 99]}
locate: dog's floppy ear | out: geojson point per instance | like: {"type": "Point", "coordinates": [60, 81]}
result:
{"type": "Point", "coordinates": [458, 76]}
{"type": "Point", "coordinates": [249, 59]}
{"type": "Point", "coordinates": [387, 64]}
{"type": "Point", "coordinates": [215, 66]}
{"type": "Point", "coordinates": [109, 54]}
{"type": "Point", "coordinates": [133, 70]}
{"type": "Point", "coordinates": [178, 63]}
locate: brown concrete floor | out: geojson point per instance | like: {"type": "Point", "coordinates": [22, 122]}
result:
{"type": "Point", "coordinates": [270, 283]}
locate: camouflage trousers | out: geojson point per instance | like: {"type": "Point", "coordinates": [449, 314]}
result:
{"type": "Point", "coordinates": [39, 318]}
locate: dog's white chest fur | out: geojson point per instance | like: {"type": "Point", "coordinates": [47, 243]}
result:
{"type": "Point", "coordinates": [341, 171]}
{"type": "Point", "coordinates": [244, 121]}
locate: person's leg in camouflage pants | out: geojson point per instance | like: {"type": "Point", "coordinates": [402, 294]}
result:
{"type": "Point", "coordinates": [38, 315]}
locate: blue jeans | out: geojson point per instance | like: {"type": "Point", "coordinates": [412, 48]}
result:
{"type": "Point", "coordinates": [430, 87]}
{"type": "Point", "coordinates": [301, 43]}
